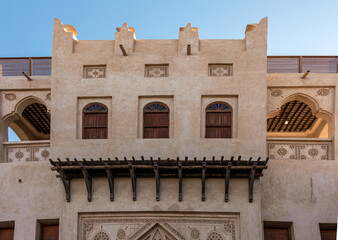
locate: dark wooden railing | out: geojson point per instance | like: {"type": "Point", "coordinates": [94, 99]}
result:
{"type": "Point", "coordinates": [39, 66]}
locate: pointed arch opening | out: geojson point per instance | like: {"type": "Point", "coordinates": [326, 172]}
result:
{"type": "Point", "coordinates": [296, 118]}
{"type": "Point", "coordinates": [30, 121]}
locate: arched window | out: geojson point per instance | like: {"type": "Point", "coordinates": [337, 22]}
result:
{"type": "Point", "coordinates": [95, 121]}
{"type": "Point", "coordinates": [218, 120]}
{"type": "Point", "coordinates": [156, 120]}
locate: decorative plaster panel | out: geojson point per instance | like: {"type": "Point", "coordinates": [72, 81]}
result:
{"type": "Point", "coordinates": [225, 227]}
{"type": "Point", "coordinates": [94, 71]}
{"type": "Point", "coordinates": [220, 70]}
{"type": "Point", "coordinates": [28, 153]}
{"type": "Point", "coordinates": [299, 151]}
{"type": "Point", "coordinates": [156, 71]}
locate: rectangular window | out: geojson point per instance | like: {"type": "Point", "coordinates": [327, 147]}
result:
{"type": "Point", "coordinates": [156, 70]}
{"type": "Point", "coordinates": [48, 229]}
{"type": "Point", "coordinates": [277, 231]}
{"type": "Point", "coordinates": [94, 71]}
{"type": "Point", "coordinates": [220, 70]}
{"type": "Point", "coordinates": [328, 231]}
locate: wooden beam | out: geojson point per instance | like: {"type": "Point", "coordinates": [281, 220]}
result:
{"type": "Point", "coordinates": [180, 197]}
{"type": "Point", "coordinates": [300, 64]}
{"type": "Point", "coordinates": [203, 180]}
{"type": "Point", "coordinates": [251, 181]}
{"type": "Point", "coordinates": [88, 181]}
{"type": "Point", "coordinates": [188, 49]}
{"type": "Point", "coordinates": [305, 74]}
{"type": "Point", "coordinates": [227, 179]}
{"type": "Point", "coordinates": [133, 180]}
{"type": "Point", "coordinates": [123, 50]}
{"type": "Point", "coordinates": [110, 181]}
{"type": "Point", "coordinates": [157, 178]}
{"type": "Point", "coordinates": [97, 167]}
{"type": "Point", "coordinates": [66, 183]}
{"type": "Point", "coordinates": [28, 77]}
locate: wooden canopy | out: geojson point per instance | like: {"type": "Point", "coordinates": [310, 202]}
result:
{"type": "Point", "coordinates": [158, 168]}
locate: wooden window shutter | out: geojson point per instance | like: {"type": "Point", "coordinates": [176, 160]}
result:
{"type": "Point", "coordinates": [275, 233]}
{"type": "Point", "coordinates": [218, 120]}
{"type": "Point", "coordinates": [50, 232]}
{"type": "Point", "coordinates": [6, 233]}
{"type": "Point", "coordinates": [328, 234]}
{"type": "Point", "coordinates": [328, 231]}
{"type": "Point", "coordinates": [156, 121]}
{"type": "Point", "coordinates": [95, 121]}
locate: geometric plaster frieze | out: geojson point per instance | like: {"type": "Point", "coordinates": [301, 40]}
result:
{"type": "Point", "coordinates": [129, 227]}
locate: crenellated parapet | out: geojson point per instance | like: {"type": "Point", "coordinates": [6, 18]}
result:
{"type": "Point", "coordinates": [188, 40]}
{"type": "Point", "coordinates": [256, 35]}
{"type": "Point", "coordinates": [124, 40]}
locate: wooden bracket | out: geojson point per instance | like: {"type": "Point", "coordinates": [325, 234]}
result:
{"type": "Point", "coordinates": [239, 160]}
{"type": "Point", "coordinates": [204, 166]}
{"type": "Point", "coordinates": [227, 179]}
{"type": "Point", "coordinates": [157, 177]}
{"type": "Point", "coordinates": [123, 50]}
{"type": "Point", "coordinates": [110, 181]}
{"type": "Point", "coordinates": [252, 180]}
{"type": "Point", "coordinates": [88, 181]}
{"type": "Point", "coordinates": [180, 182]}
{"type": "Point", "coordinates": [133, 180]}
{"type": "Point", "coordinates": [66, 183]}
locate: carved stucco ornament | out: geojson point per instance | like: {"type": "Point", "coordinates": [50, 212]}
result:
{"type": "Point", "coordinates": [49, 96]}
{"type": "Point", "coordinates": [323, 92]}
{"type": "Point", "coordinates": [276, 93]}
{"type": "Point", "coordinates": [10, 96]}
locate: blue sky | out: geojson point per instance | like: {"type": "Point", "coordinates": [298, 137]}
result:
{"type": "Point", "coordinates": [295, 27]}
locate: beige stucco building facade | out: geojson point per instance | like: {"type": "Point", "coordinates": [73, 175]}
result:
{"type": "Point", "coordinates": [283, 120]}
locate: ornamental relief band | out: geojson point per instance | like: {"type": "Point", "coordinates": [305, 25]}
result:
{"type": "Point", "coordinates": [159, 228]}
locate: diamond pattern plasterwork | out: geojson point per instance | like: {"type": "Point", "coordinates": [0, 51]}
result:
{"type": "Point", "coordinates": [94, 71]}
{"type": "Point", "coordinates": [220, 70]}
{"type": "Point", "coordinates": [180, 228]}
{"type": "Point", "coordinates": [156, 71]}
{"type": "Point", "coordinates": [28, 153]}
{"type": "Point", "coordinates": [299, 151]}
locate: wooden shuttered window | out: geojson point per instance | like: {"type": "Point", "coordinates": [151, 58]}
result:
{"type": "Point", "coordinates": [275, 233]}
{"type": "Point", "coordinates": [50, 232]}
{"type": "Point", "coordinates": [7, 233]}
{"type": "Point", "coordinates": [156, 121]}
{"type": "Point", "coordinates": [218, 122]}
{"type": "Point", "coordinates": [328, 231]}
{"type": "Point", "coordinates": [95, 121]}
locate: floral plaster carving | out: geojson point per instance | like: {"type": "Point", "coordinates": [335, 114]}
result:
{"type": "Point", "coordinates": [181, 228]}
{"type": "Point", "coordinates": [10, 96]}
{"type": "Point", "coordinates": [323, 92]}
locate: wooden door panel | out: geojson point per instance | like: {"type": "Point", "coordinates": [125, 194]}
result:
{"type": "Point", "coordinates": [50, 232]}
{"type": "Point", "coordinates": [101, 120]}
{"type": "Point", "coordinates": [276, 234]}
{"type": "Point", "coordinates": [163, 133]}
{"type": "Point", "coordinates": [330, 234]}
{"type": "Point", "coordinates": [6, 233]}
{"type": "Point", "coordinates": [149, 133]}
{"type": "Point", "coordinates": [89, 120]}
